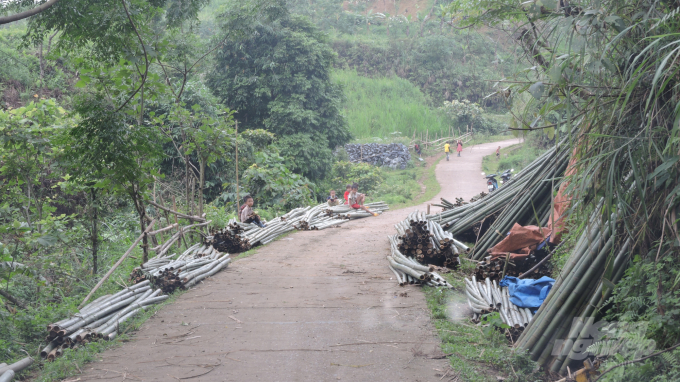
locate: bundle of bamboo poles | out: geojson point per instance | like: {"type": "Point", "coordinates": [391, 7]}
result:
{"type": "Point", "coordinates": [426, 241]}
{"type": "Point", "coordinates": [497, 267]}
{"type": "Point", "coordinates": [99, 319]}
{"type": "Point", "coordinates": [409, 271]}
{"type": "Point", "coordinates": [525, 199]}
{"type": "Point", "coordinates": [344, 211]}
{"type": "Point", "coordinates": [239, 237]}
{"type": "Point", "coordinates": [487, 297]}
{"type": "Point", "coordinates": [578, 294]}
{"type": "Point", "coordinates": [7, 372]}
{"type": "Point", "coordinates": [446, 205]}
{"type": "Point", "coordinates": [196, 263]}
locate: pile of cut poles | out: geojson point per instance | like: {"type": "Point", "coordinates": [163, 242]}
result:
{"type": "Point", "coordinates": [409, 271]}
{"type": "Point", "coordinates": [496, 268]}
{"type": "Point", "coordinates": [426, 241]}
{"type": "Point", "coordinates": [99, 319]}
{"type": "Point", "coordinates": [243, 236]}
{"type": "Point", "coordinates": [446, 205]}
{"type": "Point", "coordinates": [487, 297]}
{"type": "Point", "coordinates": [525, 199]}
{"type": "Point", "coordinates": [7, 372]}
{"type": "Point", "coordinates": [193, 265]}
{"type": "Point", "coordinates": [344, 211]}
{"type": "Point", "coordinates": [164, 273]}
{"type": "Point", "coordinates": [579, 292]}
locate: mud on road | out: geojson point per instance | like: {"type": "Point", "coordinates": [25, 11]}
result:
{"type": "Point", "coordinates": [312, 306]}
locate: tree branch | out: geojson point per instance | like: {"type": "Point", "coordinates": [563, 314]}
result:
{"type": "Point", "coordinates": [28, 13]}
{"type": "Point", "coordinates": [146, 58]}
{"type": "Point", "coordinates": [12, 299]}
{"type": "Point", "coordinates": [636, 360]}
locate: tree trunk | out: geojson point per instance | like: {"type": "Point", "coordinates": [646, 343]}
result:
{"type": "Point", "coordinates": [201, 184]}
{"type": "Point", "coordinates": [95, 231]}
{"type": "Point", "coordinates": [139, 206]}
{"type": "Point", "coordinates": [186, 174]}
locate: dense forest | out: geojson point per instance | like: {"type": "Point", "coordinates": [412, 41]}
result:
{"type": "Point", "coordinates": [107, 107]}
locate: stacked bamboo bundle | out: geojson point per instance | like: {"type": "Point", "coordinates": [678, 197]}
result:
{"type": "Point", "coordinates": [426, 241]}
{"type": "Point", "coordinates": [238, 237]}
{"type": "Point", "coordinates": [525, 199]}
{"type": "Point", "coordinates": [346, 212]}
{"type": "Point", "coordinates": [230, 239]}
{"type": "Point", "coordinates": [487, 297]}
{"type": "Point", "coordinates": [409, 271]}
{"type": "Point", "coordinates": [99, 319]}
{"type": "Point", "coordinates": [579, 293]}
{"type": "Point", "coordinates": [496, 268]}
{"type": "Point", "coordinates": [196, 263]}
{"type": "Point", "coordinates": [446, 205]}
{"type": "Point", "coordinates": [7, 372]}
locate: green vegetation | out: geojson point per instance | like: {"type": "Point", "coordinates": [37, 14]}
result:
{"type": "Point", "coordinates": [386, 107]}
{"type": "Point", "coordinates": [512, 157]}
{"type": "Point", "coordinates": [477, 355]}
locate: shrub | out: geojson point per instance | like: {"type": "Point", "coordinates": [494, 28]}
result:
{"type": "Point", "coordinates": [271, 183]}
{"type": "Point", "coordinates": [367, 176]}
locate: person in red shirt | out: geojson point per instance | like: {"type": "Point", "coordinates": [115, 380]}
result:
{"type": "Point", "coordinates": [348, 189]}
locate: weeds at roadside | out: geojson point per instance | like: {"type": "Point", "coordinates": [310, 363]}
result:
{"type": "Point", "coordinates": [476, 356]}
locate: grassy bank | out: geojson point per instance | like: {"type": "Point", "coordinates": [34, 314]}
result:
{"type": "Point", "coordinates": [386, 106]}
{"type": "Point", "coordinates": [512, 157]}
{"type": "Point", "coordinates": [409, 187]}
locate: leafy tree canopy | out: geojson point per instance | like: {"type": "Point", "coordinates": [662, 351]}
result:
{"type": "Point", "coordinates": [274, 70]}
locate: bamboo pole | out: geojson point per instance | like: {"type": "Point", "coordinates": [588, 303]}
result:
{"type": "Point", "coordinates": [119, 262]}
{"type": "Point", "coordinates": [238, 205]}
{"type": "Point", "coordinates": [177, 214]}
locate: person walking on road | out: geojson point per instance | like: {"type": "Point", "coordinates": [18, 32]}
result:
{"type": "Point", "coordinates": [460, 147]}
{"type": "Point", "coordinates": [447, 150]}
{"type": "Point", "coordinates": [498, 153]}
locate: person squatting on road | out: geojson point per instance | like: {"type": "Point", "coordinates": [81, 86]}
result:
{"type": "Point", "coordinates": [333, 200]}
{"type": "Point", "coordinates": [447, 150]}
{"type": "Point", "coordinates": [460, 147]}
{"type": "Point", "coordinates": [247, 213]}
{"type": "Point", "coordinates": [356, 200]}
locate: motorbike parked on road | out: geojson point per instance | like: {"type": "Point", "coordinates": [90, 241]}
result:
{"type": "Point", "coordinates": [491, 182]}
{"type": "Point", "coordinates": [506, 175]}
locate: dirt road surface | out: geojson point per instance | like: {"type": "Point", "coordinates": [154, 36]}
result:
{"type": "Point", "coordinates": [312, 306]}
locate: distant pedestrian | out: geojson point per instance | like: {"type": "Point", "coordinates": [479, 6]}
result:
{"type": "Point", "coordinates": [247, 213]}
{"type": "Point", "coordinates": [460, 147]}
{"type": "Point", "coordinates": [447, 150]}
{"type": "Point", "coordinates": [498, 153]}
{"type": "Point", "coordinates": [417, 149]}
{"type": "Point", "coordinates": [356, 200]}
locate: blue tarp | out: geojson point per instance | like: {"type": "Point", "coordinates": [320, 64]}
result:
{"type": "Point", "coordinates": [527, 293]}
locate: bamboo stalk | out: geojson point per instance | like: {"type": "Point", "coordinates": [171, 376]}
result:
{"type": "Point", "coordinates": [119, 262]}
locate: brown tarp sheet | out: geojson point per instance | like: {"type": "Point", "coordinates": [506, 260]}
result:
{"type": "Point", "coordinates": [520, 242]}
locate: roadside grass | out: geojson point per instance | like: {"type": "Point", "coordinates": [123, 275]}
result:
{"type": "Point", "coordinates": [475, 353]}
{"type": "Point", "coordinates": [512, 157]}
{"type": "Point", "coordinates": [404, 188]}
